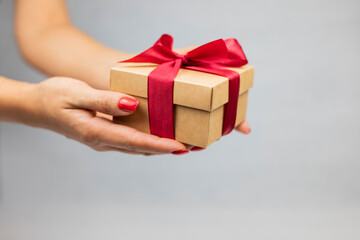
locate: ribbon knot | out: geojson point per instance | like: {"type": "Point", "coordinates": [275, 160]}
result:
{"type": "Point", "coordinates": [211, 58]}
{"type": "Point", "coordinates": [184, 61]}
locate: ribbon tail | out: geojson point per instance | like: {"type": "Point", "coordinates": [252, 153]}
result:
{"type": "Point", "coordinates": [160, 99]}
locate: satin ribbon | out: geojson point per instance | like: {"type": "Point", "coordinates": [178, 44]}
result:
{"type": "Point", "coordinates": [211, 58]}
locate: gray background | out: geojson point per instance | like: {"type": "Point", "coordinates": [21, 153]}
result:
{"type": "Point", "coordinates": [296, 176]}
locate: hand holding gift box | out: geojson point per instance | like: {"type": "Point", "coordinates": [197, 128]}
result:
{"type": "Point", "coordinates": [193, 98]}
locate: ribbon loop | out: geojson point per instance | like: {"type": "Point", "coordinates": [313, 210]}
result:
{"type": "Point", "coordinates": [214, 52]}
{"type": "Point", "coordinates": [210, 57]}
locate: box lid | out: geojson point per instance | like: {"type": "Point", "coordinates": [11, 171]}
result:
{"type": "Point", "coordinates": [191, 88]}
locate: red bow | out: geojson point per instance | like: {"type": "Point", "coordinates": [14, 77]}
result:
{"type": "Point", "coordinates": [210, 57]}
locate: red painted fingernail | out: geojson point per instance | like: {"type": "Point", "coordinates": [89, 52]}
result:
{"type": "Point", "coordinates": [180, 152]}
{"type": "Point", "coordinates": [196, 149]}
{"type": "Point", "coordinates": [128, 104]}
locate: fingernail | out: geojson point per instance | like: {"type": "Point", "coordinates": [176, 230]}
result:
{"type": "Point", "coordinates": [128, 104]}
{"type": "Point", "coordinates": [180, 152]}
{"type": "Point", "coordinates": [196, 149]}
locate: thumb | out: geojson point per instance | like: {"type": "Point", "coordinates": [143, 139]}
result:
{"type": "Point", "coordinates": [108, 102]}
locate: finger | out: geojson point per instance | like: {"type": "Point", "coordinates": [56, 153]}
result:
{"type": "Point", "coordinates": [114, 149]}
{"type": "Point", "coordinates": [108, 102]}
{"type": "Point", "coordinates": [243, 127]}
{"type": "Point", "coordinates": [196, 149]}
{"type": "Point", "coordinates": [130, 139]}
{"type": "Point", "coordinates": [103, 115]}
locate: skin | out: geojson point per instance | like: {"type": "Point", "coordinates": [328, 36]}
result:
{"type": "Point", "coordinates": [78, 104]}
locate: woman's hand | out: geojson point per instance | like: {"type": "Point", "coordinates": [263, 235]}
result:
{"type": "Point", "coordinates": [69, 107]}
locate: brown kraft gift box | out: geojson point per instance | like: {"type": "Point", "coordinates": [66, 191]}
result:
{"type": "Point", "coordinates": [198, 100]}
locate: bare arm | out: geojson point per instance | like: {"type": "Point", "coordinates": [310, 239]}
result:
{"type": "Point", "coordinates": [49, 42]}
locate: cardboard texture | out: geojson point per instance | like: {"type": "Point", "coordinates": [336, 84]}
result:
{"type": "Point", "coordinates": [198, 100]}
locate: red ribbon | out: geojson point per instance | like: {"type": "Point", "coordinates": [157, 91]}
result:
{"type": "Point", "coordinates": [210, 58]}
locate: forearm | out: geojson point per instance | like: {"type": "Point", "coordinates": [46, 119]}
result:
{"type": "Point", "coordinates": [17, 101]}
{"type": "Point", "coordinates": [65, 51]}
{"type": "Point", "coordinates": [49, 42]}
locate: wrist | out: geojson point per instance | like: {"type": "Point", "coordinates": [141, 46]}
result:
{"type": "Point", "coordinates": [18, 102]}
{"type": "Point", "coordinates": [29, 105]}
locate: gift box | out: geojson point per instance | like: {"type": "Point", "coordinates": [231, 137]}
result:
{"type": "Point", "coordinates": [199, 99]}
